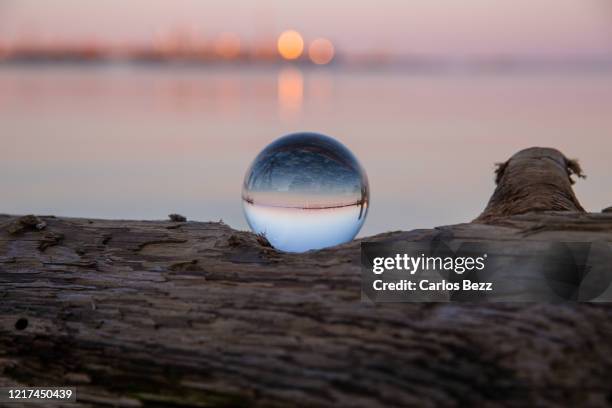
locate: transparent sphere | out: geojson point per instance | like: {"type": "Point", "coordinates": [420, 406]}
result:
{"type": "Point", "coordinates": [305, 191]}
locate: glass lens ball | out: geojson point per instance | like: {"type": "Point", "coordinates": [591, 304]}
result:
{"type": "Point", "coordinates": [305, 191]}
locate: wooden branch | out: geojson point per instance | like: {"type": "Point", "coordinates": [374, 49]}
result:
{"type": "Point", "coordinates": [534, 179]}
{"type": "Point", "coordinates": [166, 313]}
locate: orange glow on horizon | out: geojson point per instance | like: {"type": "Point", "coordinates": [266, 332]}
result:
{"type": "Point", "coordinates": [4, 49]}
{"type": "Point", "coordinates": [227, 45]}
{"type": "Point", "coordinates": [264, 49]}
{"type": "Point", "coordinates": [290, 45]}
{"type": "Point", "coordinates": [321, 51]}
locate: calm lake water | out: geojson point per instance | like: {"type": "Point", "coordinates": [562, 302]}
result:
{"type": "Point", "coordinates": [143, 142]}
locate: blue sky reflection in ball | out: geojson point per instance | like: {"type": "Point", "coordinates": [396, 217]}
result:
{"type": "Point", "coordinates": [305, 191]}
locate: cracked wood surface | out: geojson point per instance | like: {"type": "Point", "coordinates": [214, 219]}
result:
{"type": "Point", "coordinates": [161, 313]}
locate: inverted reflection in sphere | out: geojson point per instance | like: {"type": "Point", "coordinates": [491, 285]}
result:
{"type": "Point", "coordinates": [305, 191]}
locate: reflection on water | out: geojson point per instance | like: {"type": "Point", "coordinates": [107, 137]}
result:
{"type": "Point", "coordinates": [299, 230]}
{"type": "Point", "coordinates": [290, 91]}
{"type": "Point", "coordinates": [314, 178]}
{"type": "Point", "coordinates": [140, 142]}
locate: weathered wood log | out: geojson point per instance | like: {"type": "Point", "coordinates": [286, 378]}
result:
{"type": "Point", "coordinates": [165, 313]}
{"type": "Point", "coordinates": [534, 179]}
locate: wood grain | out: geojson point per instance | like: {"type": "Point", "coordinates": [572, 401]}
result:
{"type": "Point", "coordinates": [172, 313]}
{"type": "Point", "coordinates": [140, 313]}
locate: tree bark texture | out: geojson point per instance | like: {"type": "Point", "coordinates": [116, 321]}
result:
{"type": "Point", "coordinates": [534, 179]}
{"type": "Point", "coordinates": [170, 313]}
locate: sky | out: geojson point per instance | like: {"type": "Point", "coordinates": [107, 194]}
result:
{"type": "Point", "coordinates": [446, 27]}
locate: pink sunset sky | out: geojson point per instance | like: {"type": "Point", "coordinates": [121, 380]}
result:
{"type": "Point", "coordinates": [445, 27]}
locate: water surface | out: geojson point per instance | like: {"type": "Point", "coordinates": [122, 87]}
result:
{"type": "Point", "coordinates": [143, 142]}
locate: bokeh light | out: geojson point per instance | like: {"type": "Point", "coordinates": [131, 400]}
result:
{"type": "Point", "coordinates": [321, 51]}
{"type": "Point", "coordinates": [290, 45]}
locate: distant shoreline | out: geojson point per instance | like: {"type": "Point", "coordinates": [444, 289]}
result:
{"type": "Point", "coordinates": [315, 207]}
{"type": "Point", "coordinates": [442, 66]}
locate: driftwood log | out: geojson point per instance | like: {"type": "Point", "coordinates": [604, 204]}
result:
{"type": "Point", "coordinates": [172, 313]}
{"type": "Point", "coordinates": [534, 179]}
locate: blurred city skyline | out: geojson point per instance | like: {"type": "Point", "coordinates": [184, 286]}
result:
{"type": "Point", "coordinates": [470, 28]}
